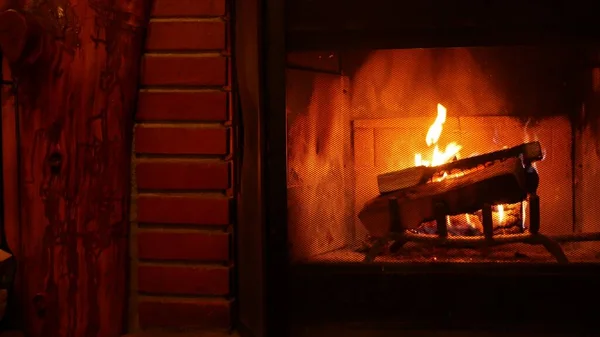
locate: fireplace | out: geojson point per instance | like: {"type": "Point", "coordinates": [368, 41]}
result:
{"type": "Point", "coordinates": [433, 171]}
{"type": "Point", "coordinates": [357, 137]}
{"type": "Point", "coordinates": [391, 113]}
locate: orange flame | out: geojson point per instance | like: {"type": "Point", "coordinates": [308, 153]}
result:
{"type": "Point", "coordinates": [451, 151]}
{"type": "Point", "coordinates": [433, 135]}
{"type": "Point", "coordinates": [435, 130]}
{"type": "Point", "coordinates": [500, 213]}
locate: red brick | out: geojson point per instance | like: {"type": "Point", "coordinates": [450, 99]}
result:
{"type": "Point", "coordinates": [190, 210]}
{"type": "Point", "coordinates": [184, 70]}
{"type": "Point", "coordinates": [181, 140]}
{"type": "Point", "coordinates": [184, 246]}
{"type": "Point", "coordinates": [183, 280]}
{"type": "Point", "coordinates": [182, 106]}
{"type": "Point", "coordinates": [182, 175]}
{"type": "Point", "coordinates": [182, 313]}
{"type": "Point", "coordinates": [162, 8]}
{"type": "Point", "coordinates": [186, 35]}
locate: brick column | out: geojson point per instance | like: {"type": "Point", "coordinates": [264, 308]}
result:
{"type": "Point", "coordinates": [182, 171]}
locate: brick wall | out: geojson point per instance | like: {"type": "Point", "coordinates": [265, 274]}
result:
{"type": "Point", "coordinates": [182, 171]}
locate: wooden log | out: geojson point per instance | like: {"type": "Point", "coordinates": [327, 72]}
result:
{"type": "Point", "coordinates": [501, 183]}
{"type": "Point", "coordinates": [393, 181]}
{"type": "Point", "coordinates": [77, 74]}
{"type": "Point", "coordinates": [534, 214]}
{"type": "Point", "coordinates": [441, 221]}
{"type": "Point", "coordinates": [488, 226]}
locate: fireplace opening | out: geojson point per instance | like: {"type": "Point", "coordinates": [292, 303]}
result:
{"type": "Point", "coordinates": [467, 155]}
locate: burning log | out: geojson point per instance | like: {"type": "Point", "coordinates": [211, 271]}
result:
{"type": "Point", "coordinates": [393, 181]}
{"type": "Point", "coordinates": [502, 182]}
{"type": "Point", "coordinates": [509, 220]}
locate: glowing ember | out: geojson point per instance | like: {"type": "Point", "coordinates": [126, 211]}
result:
{"type": "Point", "coordinates": [433, 135]}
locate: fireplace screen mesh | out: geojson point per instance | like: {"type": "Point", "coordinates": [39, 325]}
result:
{"type": "Point", "coordinates": [443, 155]}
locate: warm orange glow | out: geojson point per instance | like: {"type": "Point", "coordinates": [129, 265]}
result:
{"type": "Point", "coordinates": [523, 213]}
{"type": "Point", "coordinates": [500, 214]}
{"type": "Point", "coordinates": [468, 219]}
{"type": "Point", "coordinates": [526, 138]}
{"type": "Point", "coordinates": [433, 135]}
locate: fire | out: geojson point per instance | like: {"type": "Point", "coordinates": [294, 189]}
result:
{"type": "Point", "coordinates": [500, 213]}
{"type": "Point", "coordinates": [451, 151]}
{"type": "Point", "coordinates": [433, 135]}
{"type": "Point", "coordinates": [435, 130]}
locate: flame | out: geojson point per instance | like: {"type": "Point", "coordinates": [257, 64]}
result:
{"type": "Point", "coordinates": [500, 213]}
{"type": "Point", "coordinates": [450, 152]}
{"type": "Point", "coordinates": [433, 135]}
{"type": "Point", "coordinates": [435, 130]}
{"type": "Point", "coordinates": [419, 160]}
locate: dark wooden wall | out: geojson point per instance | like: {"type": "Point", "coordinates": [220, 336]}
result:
{"type": "Point", "coordinates": [76, 66]}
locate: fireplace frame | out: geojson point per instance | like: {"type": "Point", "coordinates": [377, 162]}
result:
{"type": "Point", "coordinates": [278, 299]}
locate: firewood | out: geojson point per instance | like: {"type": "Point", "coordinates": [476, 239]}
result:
{"type": "Point", "coordinates": [393, 181]}
{"type": "Point", "coordinates": [500, 183]}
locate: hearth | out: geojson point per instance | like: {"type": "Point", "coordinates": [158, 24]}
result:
{"type": "Point", "coordinates": [441, 157]}
{"type": "Point", "coordinates": [385, 154]}
{"type": "Point", "coordinates": [433, 170]}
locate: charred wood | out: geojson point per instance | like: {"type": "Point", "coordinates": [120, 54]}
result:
{"type": "Point", "coordinates": [393, 181]}
{"type": "Point", "coordinates": [500, 183]}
